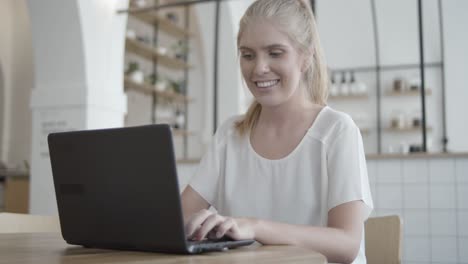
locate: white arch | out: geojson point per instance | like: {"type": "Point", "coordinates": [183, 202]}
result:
{"type": "Point", "coordinates": [78, 53]}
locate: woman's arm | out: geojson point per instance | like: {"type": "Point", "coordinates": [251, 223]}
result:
{"type": "Point", "coordinates": [192, 202]}
{"type": "Point", "coordinates": [339, 241]}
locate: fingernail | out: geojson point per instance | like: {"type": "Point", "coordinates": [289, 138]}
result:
{"type": "Point", "coordinates": [218, 234]}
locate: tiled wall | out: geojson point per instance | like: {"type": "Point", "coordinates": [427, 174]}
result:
{"type": "Point", "coordinates": [431, 196]}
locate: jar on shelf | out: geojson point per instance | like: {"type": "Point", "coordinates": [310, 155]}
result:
{"type": "Point", "coordinates": [398, 120]}
{"type": "Point", "coordinates": [399, 85]}
{"type": "Point", "coordinates": [179, 119]}
{"type": "Point", "coordinates": [416, 120]}
{"type": "Point", "coordinates": [414, 84]}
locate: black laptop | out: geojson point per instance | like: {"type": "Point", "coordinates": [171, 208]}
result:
{"type": "Point", "coordinates": [118, 189]}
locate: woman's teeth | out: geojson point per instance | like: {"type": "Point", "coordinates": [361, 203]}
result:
{"type": "Point", "coordinates": [266, 84]}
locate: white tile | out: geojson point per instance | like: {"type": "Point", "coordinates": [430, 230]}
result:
{"type": "Point", "coordinates": [443, 222]}
{"type": "Point", "coordinates": [416, 196]}
{"type": "Point", "coordinates": [415, 170]}
{"type": "Point", "coordinates": [417, 249]}
{"type": "Point", "coordinates": [461, 167]}
{"type": "Point", "coordinates": [444, 249]}
{"type": "Point", "coordinates": [389, 196]}
{"type": "Point", "coordinates": [442, 196]}
{"type": "Point", "coordinates": [462, 224]}
{"type": "Point", "coordinates": [416, 222]}
{"type": "Point", "coordinates": [441, 171]}
{"type": "Point", "coordinates": [463, 249]}
{"type": "Point", "coordinates": [389, 171]}
{"type": "Point", "coordinates": [462, 192]}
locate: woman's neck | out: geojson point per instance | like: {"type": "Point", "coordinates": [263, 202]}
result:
{"type": "Point", "coordinates": [286, 115]}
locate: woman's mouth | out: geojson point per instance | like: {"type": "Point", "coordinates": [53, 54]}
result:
{"type": "Point", "coordinates": [266, 84]}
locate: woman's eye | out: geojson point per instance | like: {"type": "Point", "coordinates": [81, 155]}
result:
{"type": "Point", "coordinates": [247, 56]}
{"type": "Point", "coordinates": [276, 54]}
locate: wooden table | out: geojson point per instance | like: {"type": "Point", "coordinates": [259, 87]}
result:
{"type": "Point", "coordinates": [51, 248]}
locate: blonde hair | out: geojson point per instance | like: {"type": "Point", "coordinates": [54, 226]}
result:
{"type": "Point", "coordinates": [297, 21]}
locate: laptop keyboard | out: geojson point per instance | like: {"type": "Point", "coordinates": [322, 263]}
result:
{"type": "Point", "coordinates": [209, 241]}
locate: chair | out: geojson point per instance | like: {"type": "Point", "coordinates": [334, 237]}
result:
{"type": "Point", "coordinates": [383, 240]}
{"type": "Point", "coordinates": [25, 223]}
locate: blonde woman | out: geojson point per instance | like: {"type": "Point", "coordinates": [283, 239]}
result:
{"type": "Point", "coordinates": [291, 170]}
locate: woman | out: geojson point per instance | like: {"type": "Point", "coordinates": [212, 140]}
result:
{"type": "Point", "coordinates": [291, 170]}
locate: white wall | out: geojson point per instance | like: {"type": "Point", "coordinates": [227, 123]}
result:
{"type": "Point", "coordinates": [17, 78]}
{"type": "Point", "coordinates": [5, 67]}
{"type": "Point", "coordinates": [2, 104]}
{"type": "Point", "coordinates": [456, 67]}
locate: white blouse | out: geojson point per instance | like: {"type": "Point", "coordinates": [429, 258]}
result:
{"type": "Point", "coordinates": [326, 169]}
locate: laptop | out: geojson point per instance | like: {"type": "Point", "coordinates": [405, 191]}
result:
{"type": "Point", "coordinates": [118, 189]}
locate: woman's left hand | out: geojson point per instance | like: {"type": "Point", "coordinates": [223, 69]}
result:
{"type": "Point", "coordinates": [209, 224]}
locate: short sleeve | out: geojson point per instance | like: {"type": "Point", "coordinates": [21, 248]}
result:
{"type": "Point", "coordinates": [347, 170]}
{"type": "Point", "coordinates": [206, 178]}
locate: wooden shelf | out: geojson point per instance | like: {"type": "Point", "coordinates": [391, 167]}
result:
{"type": "Point", "coordinates": [408, 93]}
{"type": "Point", "coordinates": [182, 133]}
{"type": "Point", "coordinates": [346, 97]}
{"type": "Point", "coordinates": [407, 129]}
{"type": "Point", "coordinates": [364, 130]}
{"type": "Point", "coordinates": [149, 89]}
{"type": "Point", "coordinates": [164, 24]}
{"type": "Point", "coordinates": [150, 53]}
{"type": "Point", "coordinates": [188, 161]}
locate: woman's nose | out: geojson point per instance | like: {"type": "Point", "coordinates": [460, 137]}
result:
{"type": "Point", "coordinates": [261, 67]}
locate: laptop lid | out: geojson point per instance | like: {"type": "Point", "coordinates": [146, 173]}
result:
{"type": "Point", "coordinates": [117, 188]}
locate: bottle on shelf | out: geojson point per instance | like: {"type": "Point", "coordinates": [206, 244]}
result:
{"type": "Point", "coordinates": [179, 119]}
{"type": "Point", "coordinates": [344, 85]}
{"type": "Point", "coordinates": [334, 89]}
{"type": "Point", "coordinates": [399, 85]}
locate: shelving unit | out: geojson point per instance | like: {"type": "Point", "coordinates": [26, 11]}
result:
{"type": "Point", "coordinates": [150, 53]}
{"type": "Point", "coordinates": [157, 55]}
{"type": "Point", "coordinates": [407, 93]}
{"type": "Point", "coordinates": [406, 129]}
{"type": "Point", "coordinates": [163, 24]}
{"type": "Point", "coordinates": [349, 97]}
{"type": "Point", "coordinates": [150, 89]}
{"type": "Point", "coordinates": [387, 96]}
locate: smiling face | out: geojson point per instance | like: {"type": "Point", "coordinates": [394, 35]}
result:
{"type": "Point", "coordinates": [270, 64]}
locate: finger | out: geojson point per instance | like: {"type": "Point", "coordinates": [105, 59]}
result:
{"type": "Point", "coordinates": [195, 221]}
{"type": "Point", "coordinates": [234, 232]}
{"type": "Point", "coordinates": [211, 222]}
{"type": "Point", "coordinates": [224, 227]}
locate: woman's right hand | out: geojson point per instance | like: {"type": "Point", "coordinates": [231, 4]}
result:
{"type": "Point", "coordinates": [208, 224]}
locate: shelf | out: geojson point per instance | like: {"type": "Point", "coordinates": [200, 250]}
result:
{"type": "Point", "coordinates": [365, 130]}
{"type": "Point", "coordinates": [150, 53]}
{"type": "Point", "coordinates": [408, 93]}
{"type": "Point", "coordinates": [350, 97]}
{"type": "Point", "coordinates": [182, 133]}
{"type": "Point", "coordinates": [388, 67]}
{"type": "Point", "coordinates": [149, 89]}
{"type": "Point", "coordinates": [408, 129]}
{"type": "Point", "coordinates": [164, 24]}
{"type": "Point", "coordinates": [188, 161]}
